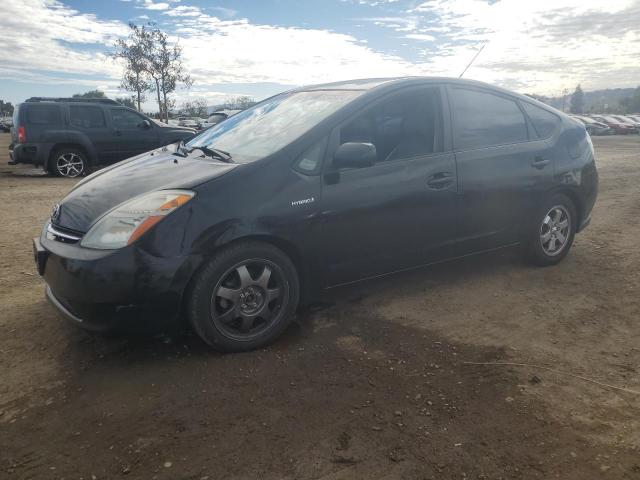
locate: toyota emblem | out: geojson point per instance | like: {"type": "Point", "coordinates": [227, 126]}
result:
{"type": "Point", "coordinates": [55, 211]}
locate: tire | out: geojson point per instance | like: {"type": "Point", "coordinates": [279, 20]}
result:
{"type": "Point", "coordinates": [549, 241]}
{"type": "Point", "coordinates": [68, 162]}
{"type": "Point", "coordinates": [231, 306]}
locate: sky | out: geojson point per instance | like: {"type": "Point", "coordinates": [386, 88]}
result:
{"type": "Point", "coordinates": [261, 47]}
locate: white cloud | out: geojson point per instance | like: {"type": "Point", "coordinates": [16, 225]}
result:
{"type": "Point", "coordinates": [238, 51]}
{"type": "Point", "coordinates": [539, 47]}
{"type": "Point", "coordinates": [372, 3]}
{"type": "Point", "coordinates": [183, 11]}
{"type": "Point", "coordinates": [215, 51]}
{"type": "Point", "coordinates": [29, 43]}
{"type": "Point", "coordinates": [420, 36]}
{"type": "Point", "coordinates": [405, 23]}
{"type": "Point", "coordinates": [150, 5]}
{"type": "Point", "coordinates": [227, 12]}
{"type": "Point", "coordinates": [543, 46]}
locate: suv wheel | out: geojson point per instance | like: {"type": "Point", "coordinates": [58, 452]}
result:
{"type": "Point", "coordinates": [244, 297]}
{"type": "Point", "coordinates": [553, 234]}
{"type": "Point", "coordinates": [68, 162]}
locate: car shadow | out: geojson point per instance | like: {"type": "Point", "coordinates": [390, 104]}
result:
{"type": "Point", "coordinates": [139, 346]}
{"type": "Point", "coordinates": [420, 279]}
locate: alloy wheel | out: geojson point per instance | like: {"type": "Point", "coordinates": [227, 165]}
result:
{"type": "Point", "coordinates": [555, 230]}
{"type": "Point", "coordinates": [248, 299]}
{"type": "Point", "coordinates": [70, 164]}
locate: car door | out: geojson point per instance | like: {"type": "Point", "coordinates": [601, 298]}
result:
{"type": "Point", "coordinates": [132, 133]}
{"type": "Point", "coordinates": [89, 124]}
{"type": "Point", "coordinates": [400, 212]}
{"type": "Point", "coordinates": [504, 169]}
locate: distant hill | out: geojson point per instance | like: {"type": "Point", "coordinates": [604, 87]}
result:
{"type": "Point", "coordinates": [597, 101]}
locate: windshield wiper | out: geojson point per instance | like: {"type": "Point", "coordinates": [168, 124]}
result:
{"type": "Point", "coordinates": [214, 153]}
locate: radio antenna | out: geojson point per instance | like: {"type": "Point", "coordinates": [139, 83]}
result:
{"type": "Point", "coordinates": [472, 60]}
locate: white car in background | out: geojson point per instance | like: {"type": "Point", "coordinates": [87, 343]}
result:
{"type": "Point", "coordinates": [5, 124]}
{"type": "Point", "coordinates": [220, 116]}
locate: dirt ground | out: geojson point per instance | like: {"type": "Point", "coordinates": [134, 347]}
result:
{"type": "Point", "coordinates": [373, 384]}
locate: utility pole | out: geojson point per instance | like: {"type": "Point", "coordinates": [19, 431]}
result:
{"type": "Point", "coordinates": [565, 92]}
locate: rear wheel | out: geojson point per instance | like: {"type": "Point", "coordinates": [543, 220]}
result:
{"type": "Point", "coordinates": [244, 297]}
{"type": "Point", "coordinates": [552, 236]}
{"type": "Point", "coordinates": [68, 162]}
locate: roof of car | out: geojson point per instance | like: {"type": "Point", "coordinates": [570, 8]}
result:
{"type": "Point", "coordinates": [106, 101]}
{"type": "Point", "coordinates": [373, 83]}
{"type": "Point", "coordinates": [359, 84]}
{"type": "Point", "coordinates": [369, 84]}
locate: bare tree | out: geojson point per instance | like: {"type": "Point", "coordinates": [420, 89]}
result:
{"type": "Point", "coordinates": [243, 102]}
{"type": "Point", "coordinates": [237, 103]}
{"type": "Point", "coordinates": [127, 101]}
{"type": "Point", "coordinates": [166, 69]}
{"type": "Point", "coordinates": [195, 108]}
{"type": "Point", "coordinates": [135, 51]}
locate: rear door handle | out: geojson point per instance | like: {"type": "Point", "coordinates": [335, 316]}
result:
{"type": "Point", "coordinates": [540, 162]}
{"type": "Point", "coordinates": [117, 133]}
{"type": "Point", "coordinates": [440, 180]}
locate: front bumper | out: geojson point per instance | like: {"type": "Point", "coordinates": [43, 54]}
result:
{"type": "Point", "coordinates": [62, 310]}
{"type": "Point", "coordinates": [112, 289]}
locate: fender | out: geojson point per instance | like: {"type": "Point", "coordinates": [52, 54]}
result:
{"type": "Point", "coordinates": [233, 231]}
{"type": "Point", "coordinates": [81, 139]}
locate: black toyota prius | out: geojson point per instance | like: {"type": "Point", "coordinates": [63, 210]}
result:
{"type": "Point", "coordinates": [311, 189]}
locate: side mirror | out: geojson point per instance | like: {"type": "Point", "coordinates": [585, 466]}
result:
{"type": "Point", "coordinates": [145, 125]}
{"type": "Point", "coordinates": [355, 155]}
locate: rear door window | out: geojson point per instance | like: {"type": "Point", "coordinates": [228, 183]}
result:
{"type": "Point", "coordinates": [483, 119]}
{"type": "Point", "coordinates": [543, 122]}
{"type": "Point", "coordinates": [44, 114]}
{"type": "Point", "coordinates": [86, 117]}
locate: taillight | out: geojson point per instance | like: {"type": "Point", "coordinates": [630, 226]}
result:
{"type": "Point", "coordinates": [22, 135]}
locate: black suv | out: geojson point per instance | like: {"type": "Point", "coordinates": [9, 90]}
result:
{"type": "Point", "coordinates": [315, 188]}
{"type": "Point", "coordinates": [67, 135]}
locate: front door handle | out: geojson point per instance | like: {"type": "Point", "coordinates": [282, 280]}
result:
{"type": "Point", "coordinates": [117, 133]}
{"type": "Point", "coordinates": [440, 180]}
{"type": "Point", "coordinates": [540, 162]}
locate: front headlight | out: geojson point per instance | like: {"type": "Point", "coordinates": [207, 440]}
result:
{"type": "Point", "coordinates": [127, 222]}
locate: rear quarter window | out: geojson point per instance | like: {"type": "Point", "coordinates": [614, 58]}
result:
{"type": "Point", "coordinates": [544, 122]}
{"type": "Point", "coordinates": [44, 114]}
{"type": "Point", "coordinates": [86, 117]}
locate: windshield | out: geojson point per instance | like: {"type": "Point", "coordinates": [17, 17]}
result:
{"type": "Point", "coordinates": [271, 125]}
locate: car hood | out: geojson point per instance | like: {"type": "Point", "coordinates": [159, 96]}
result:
{"type": "Point", "coordinates": [178, 128]}
{"type": "Point", "coordinates": [159, 169]}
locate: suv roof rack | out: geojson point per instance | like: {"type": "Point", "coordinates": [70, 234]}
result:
{"type": "Point", "coordinates": [107, 101]}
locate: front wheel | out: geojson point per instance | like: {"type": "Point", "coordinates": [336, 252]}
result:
{"type": "Point", "coordinates": [68, 162]}
{"type": "Point", "coordinates": [552, 236]}
{"type": "Point", "coordinates": [244, 297]}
